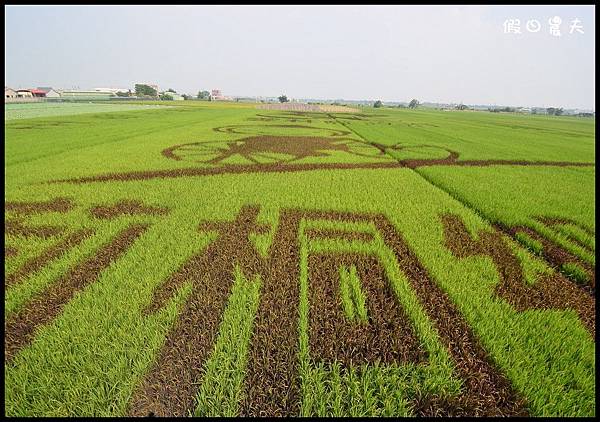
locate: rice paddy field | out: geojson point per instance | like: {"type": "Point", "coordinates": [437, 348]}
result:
{"type": "Point", "coordinates": [16, 111]}
{"type": "Point", "coordinates": [215, 259]}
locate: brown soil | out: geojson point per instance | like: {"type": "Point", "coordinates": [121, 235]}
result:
{"type": "Point", "coordinates": [20, 328]}
{"type": "Point", "coordinates": [387, 337]}
{"type": "Point", "coordinates": [419, 125]}
{"type": "Point", "coordinates": [127, 207]}
{"type": "Point", "coordinates": [271, 381]}
{"type": "Point", "coordinates": [169, 389]}
{"type": "Point", "coordinates": [229, 169]}
{"type": "Point", "coordinates": [486, 391]}
{"type": "Point", "coordinates": [554, 254]}
{"type": "Point", "coordinates": [553, 221]}
{"type": "Point", "coordinates": [10, 251]}
{"type": "Point", "coordinates": [320, 233]}
{"type": "Point", "coordinates": [240, 129]}
{"type": "Point", "coordinates": [15, 227]}
{"type": "Point", "coordinates": [38, 262]}
{"type": "Point", "coordinates": [45, 124]}
{"type": "Point", "coordinates": [284, 167]}
{"type": "Point", "coordinates": [556, 221]}
{"type": "Point", "coordinates": [550, 292]}
{"type": "Point", "coordinates": [61, 205]}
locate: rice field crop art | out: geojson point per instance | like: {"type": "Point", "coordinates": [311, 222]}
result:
{"type": "Point", "coordinates": [165, 266]}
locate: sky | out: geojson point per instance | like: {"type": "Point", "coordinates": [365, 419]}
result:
{"type": "Point", "coordinates": [454, 54]}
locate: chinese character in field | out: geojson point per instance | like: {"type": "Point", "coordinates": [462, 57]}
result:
{"type": "Point", "coordinates": [555, 25]}
{"type": "Point", "coordinates": [533, 25]}
{"type": "Point", "coordinates": [512, 26]}
{"type": "Point", "coordinates": [575, 26]}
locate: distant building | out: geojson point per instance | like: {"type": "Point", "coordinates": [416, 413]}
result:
{"type": "Point", "coordinates": [24, 93]}
{"type": "Point", "coordinates": [216, 95]}
{"type": "Point", "coordinates": [39, 93]}
{"type": "Point", "coordinates": [9, 93]}
{"type": "Point", "coordinates": [49, 92]}
{"type": "Point", "coordinates": [87, 95]}
{"type": "Point", "coordinates": [111, 90]}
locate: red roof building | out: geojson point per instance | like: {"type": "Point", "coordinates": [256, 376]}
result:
{"type": "Point", "coordinates": [37, 92]}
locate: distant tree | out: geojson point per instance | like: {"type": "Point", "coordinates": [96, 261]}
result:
{"type": "Point", "coordinates": [187, 97]}
{"type": "Point", "coordinates": [165, 97]}
{"type": "Point", "coordinates": [378, 104]}
{"type": "Point", "coordinates": [558, 111]}
{"type": "Point", "coordinates": [462, 107]}
{"type": "Point", "coordinates": [550, 110]}
{"type": "Point", "coordinates": [203, 95]}
{"type": "Point", "coordinates": [142, 90]}
{"type": "Point", "coordinates": [401, 106]}
{"type": "Point", "coordinates": [123, 94]}
{"type": "Point", "coordinates": [171, 90]}
{"type": "Point", "coordinates": [504, 109]}
{"type": "Point", "coordinates": [283, 99]}
{"type": "Point", "coordinates": [413, 103]}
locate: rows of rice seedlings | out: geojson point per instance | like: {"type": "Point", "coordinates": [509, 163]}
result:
{"type": "Point", "coordinates": [131, 140]}
{"type": "Point", "coordinates": [90, 360]}
{"type": "Point", "coordinates": [90, 144]}
{"type": "Point", "coordinates": [374, 389]}
{"type": "Point", "coordinates": [483, 136]}
{"type": "Point", "coordinates": [506, 195]}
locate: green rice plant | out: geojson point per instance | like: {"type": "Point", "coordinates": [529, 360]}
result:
{"type": "Point", "coordinates": [42, 109]}
{"type": "Point", "coordinates": [92, 357]}
{"type": "Point", "coordinates": [221, 390]}
{"type": "Point", "coordinates": [505, 194]}
{"type": "Point", "coordinates": [346, 293]}
{"type": "Point", "coordinates": [574, 272]}
{"type": "Point", "coordinates": [353, 298]}
{"type": "Point", "coordinates": [531, 244]}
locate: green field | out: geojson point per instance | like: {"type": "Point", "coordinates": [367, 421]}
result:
{"type": "Point", "coordinates": [42, 109]}
{"type": "Point", "coordinates": [216, 259]}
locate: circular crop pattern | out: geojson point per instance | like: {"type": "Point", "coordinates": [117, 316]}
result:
{"type": "Point", "coordinates": [298, 129]}
{"type": "Point", "coordinates": [433, 153]}
{"type": "Point", "coordinates": [269, 149]}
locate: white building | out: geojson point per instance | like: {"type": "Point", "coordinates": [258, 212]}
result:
{"type": "Point", "coordinates": [112, 90]}
{"type": "Point", "coordinates": [50, 93]}
{"type": "Point", "coordinates": [24, 93]}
